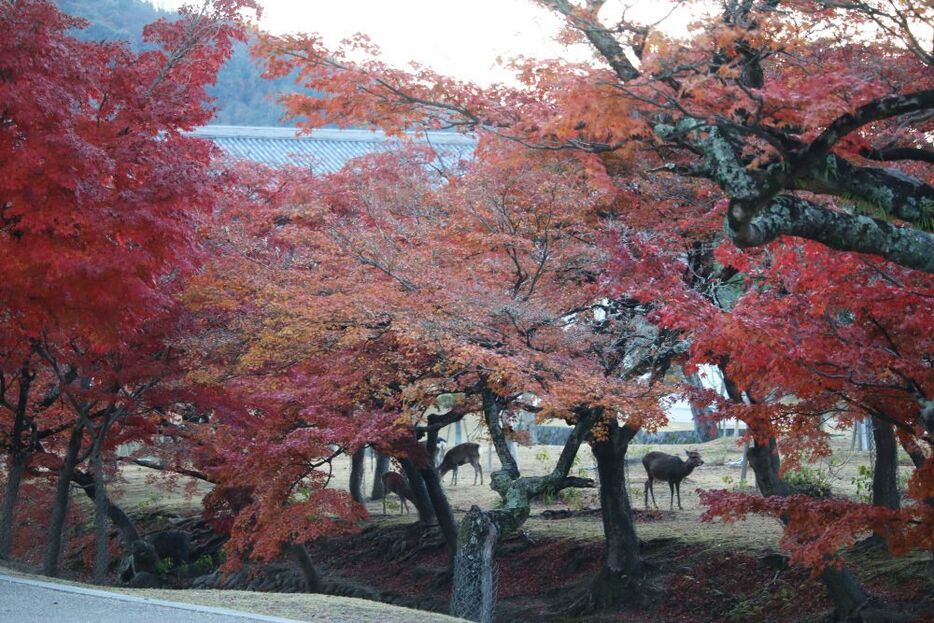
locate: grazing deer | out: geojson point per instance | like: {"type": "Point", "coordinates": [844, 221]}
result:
{"type": "Point", "coordinates": [671, 469]}
{"type": "Point", "coordinates": [394, 482]}
{"type": "Point", "coordinates": [459, 455]}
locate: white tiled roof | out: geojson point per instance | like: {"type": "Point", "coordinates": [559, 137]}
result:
{"type": "Point", "coordinates": [325, 150]}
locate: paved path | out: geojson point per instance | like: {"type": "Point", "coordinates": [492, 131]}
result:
{"type": "Point", "coordinates": [30, 601]}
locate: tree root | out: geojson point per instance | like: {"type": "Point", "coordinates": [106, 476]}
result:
{"type": "Point", "coordinates": [609, 590]}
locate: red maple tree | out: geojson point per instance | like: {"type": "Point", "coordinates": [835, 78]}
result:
{"type": "Point", "coordinates": [101, 197]}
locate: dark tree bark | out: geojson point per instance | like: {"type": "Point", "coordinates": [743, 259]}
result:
{"type": "Point", "coordinates": [487, 527]}
{"type": "Point", "coordinates": [906, 198]}
{"type": "Point", "coordinates": [760, 209]}
{"type": "Point", "coordinates": [704, 428]}
{"type": "Point", "coordinates": [116, 514]}
{"type": "Point", "coordinates": [313, 581]}
{"type": "Point", "coordinates": [787, 215]}
{"type": "Point", "coordinates": [101, 538]}
{"type": "Point", "coordinates": [885, 471]}
{"type": "Point", "coordinates": [844, 589]}
{"type": "Point", "coordinates": [622, 565]}
{"type": "Point", "coordinates": [913, 449]}
{"type": "Point", "coordinates": [766, 465]}
{"type": "Point", "coordinates": [10, 496]}
{"type": "Point", "coordinates": [439, 499]}
{"type": "Point", "coordinates": [426, 512]}
{"type": "Point", "coordinates": [356, 475]}
{"type": "Point", "coordinates": [18, 452]}
{"type": "Point", "coordinates": [382, 466]}
{"type": "Point", "coordinates": [53, 549]}
{"type": "Point", "coordinates": [493, 406]}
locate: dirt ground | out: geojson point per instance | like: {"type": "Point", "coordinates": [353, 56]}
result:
{"type": "Point", "coordinates": [543, 578]}
{"type": "Point", "coordinates": [721, 470]}
{"type": "Point", "coordinates": [704, 571]}
{"type": "Point", "coordinates": [145, 490]}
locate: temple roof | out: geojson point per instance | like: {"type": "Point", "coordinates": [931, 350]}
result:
{"type": "Point", "coordinates": [325, 150]}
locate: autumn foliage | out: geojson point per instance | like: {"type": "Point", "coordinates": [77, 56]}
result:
{"type": "Point", "coordinates": [101, 197]}
{"type": "Point", "coordinates": [770, 123]}
{"type": "Point", "coordinates": [755, 194]}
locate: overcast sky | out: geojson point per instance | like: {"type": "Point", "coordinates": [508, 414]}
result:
{"type": "Point", "coordinates": [456, 37]}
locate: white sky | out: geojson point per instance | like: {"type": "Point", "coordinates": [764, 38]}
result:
{"type": "Point", "coordinates": [462, 38]}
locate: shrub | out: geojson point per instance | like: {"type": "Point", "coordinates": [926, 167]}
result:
{"type": "Point", "coordinates": [807, 481]}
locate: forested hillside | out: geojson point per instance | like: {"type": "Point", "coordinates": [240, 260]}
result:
{"type": "Point", "coordinates": [243, 98]}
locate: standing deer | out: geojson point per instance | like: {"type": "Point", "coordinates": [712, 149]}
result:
{"type": "Point", "coordinates": [671, 469]}
{"type": "Point", "coordinates": [459, 455]}
{"type": "Point", "coordinates": [394, 482]}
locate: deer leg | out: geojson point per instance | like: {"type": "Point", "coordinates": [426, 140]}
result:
{"type": "Point", "coordinates": [671, 500]}
{"type": "Point", "coordinates": [385, 495]}
{"type": "Point", "coordinates": [477, 469]}
{"type": "Point", "coordinates": [678, 489]}
{"type": "Point", "coordinates": [652, 491]}
{"type": "Point", "coordinates": [646, 488]}
{"type": "Point", "coordinates": [454, 476]}
{"type": "Point", "coordinates": [401, 503]}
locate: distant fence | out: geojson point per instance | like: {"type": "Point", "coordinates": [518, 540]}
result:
{"type": "Point", "coordinates": [558, 435]}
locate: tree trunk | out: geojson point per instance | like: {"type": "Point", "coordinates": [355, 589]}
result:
{"type": "Point", "coordinates": [493, 406]}
{"type": "Point", "coordinates": [313, 581]}
{"type": "Point", "coordinates": [101, 538]}
{"type": "Point", "coordinates": [119, 518]}
{"type": "Point", "coordinates": [766, 465]}
{"type": "Point", "coordinates": [53, 548]}
{"type": "Point", "coordinates": [382, 467]}
{"type": "Point", "coordinates": [10, 495]}
{"type": "Point", "coordinates": [913, 449]}
{"type": "Point", "coordinates": [845, 591]}
{"type": "Point", "coordinates": [17, 464]}
{"type": "Point", "coordinates": [480, 529]}
{"type": "Point", "coordinates": [442, 509]}
{"type": "Point", "coordinates": [474, 597]}
{"type": "Point", "coordinates": [704, 427]}
{"type": "Point", "coordinates": [622, 565]}
{"type": "Point", "coordinates": [885, 470]}
{"type": "Point", "coordinates": [439, 500]}
{"type": "Point", "coordinates": [426, 512]}
{"type": "Point", "coordinates": [356, 475]}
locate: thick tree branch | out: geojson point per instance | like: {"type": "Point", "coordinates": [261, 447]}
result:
{"type": "Point", "coordinates": [882, 108]}
{"type": "Point", "coordinates": [192, 473]}
{"type": "Point", "coordinates": [891, 154]}
{"type": "Point", "coordinates": [601, 38]}
{"type": "Point", "coordinates": [116, 514]}
{"type": "Point", "coordinates": [872, 189]}
{"type": "Point", "coordinates": [787, 215]}
{"type": "Point", "coordinates": [493, 405]}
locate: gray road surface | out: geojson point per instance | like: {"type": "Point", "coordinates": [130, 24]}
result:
{"type": "Point", "coordinates": [30, 601]}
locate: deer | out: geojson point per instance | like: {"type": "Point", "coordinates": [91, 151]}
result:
{"type": "Point", "coordinates": [394, 482]}
{"type": "Point", "coordinates": [671, 469]}
{"type": "Point", "coordinates": [459, 455]}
